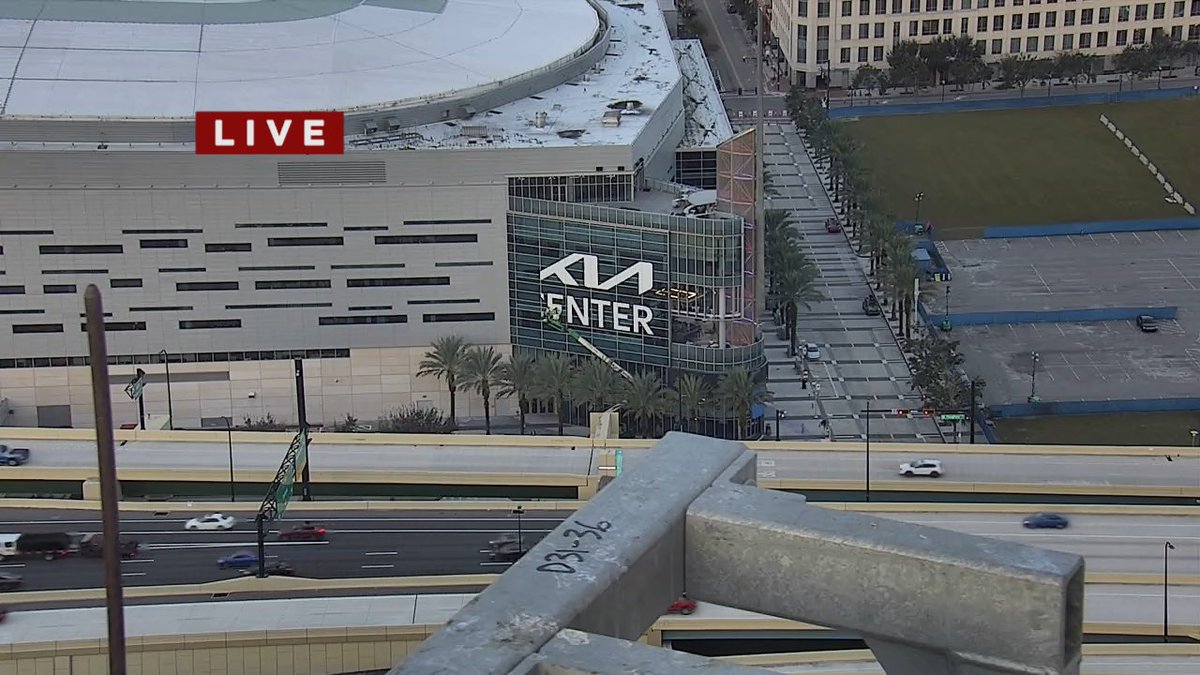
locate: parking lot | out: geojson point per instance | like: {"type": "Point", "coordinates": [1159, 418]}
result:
{"type": "Point", "coordinates": [1079, 361]}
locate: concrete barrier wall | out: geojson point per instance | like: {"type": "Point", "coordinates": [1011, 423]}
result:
{"type": "Point", "coordinates": [1033, 98]}
{"type": "Point", "coordinates": [1094, 407]}
{"type": "Point", "coordinates": [1099, 227]}
{"type": "Point", "coordinates": [1058, 315]}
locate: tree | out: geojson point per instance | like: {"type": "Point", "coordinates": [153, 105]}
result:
{"type": "Point", "coordinates": [481, 370]}
{"type": "Point", "coordinates": [518, 377]}
{"type": "Point", "coordinates": [596, 385]}
{"type": "Point", "coordinates": [413, 420]}
{"type": "Point", "coordinates": [1016, 70]}
{"type": "Point", "coordinates": [904, 273]}
{"type": "Point", "coordinates": [645, 399]}
{"type": "Point", "coordinates": [694, 397]}
{"type": "Point", "coordinates": [445, 362]}
{"type": "Point", "coordinates": [867, 77]}
{"type": "Point", "coordinates": [796, 286]}
{"type": "Point", "coordinates": [1165, 52]}
{"type": "Point", "coordinates": [739, 393]}
{"type": "Point", "coordinates": [1136, 61]}
{"type": "Point", "coordinates": [1071, 66]}
{"type": "Point", "coordinates": [265, 423]}
{"type": "Point", "coordinates": [555, 376]}
{"type": "Point", "coordinates": [907, 68]}
{"type": "Point", "coordinates": [938, 54]}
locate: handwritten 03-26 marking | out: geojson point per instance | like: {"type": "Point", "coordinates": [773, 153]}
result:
{"type": "Point", "coordinates": [558, 561]}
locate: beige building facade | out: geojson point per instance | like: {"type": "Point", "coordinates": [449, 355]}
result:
{"type": "Point", "coordinates": [839, 36]}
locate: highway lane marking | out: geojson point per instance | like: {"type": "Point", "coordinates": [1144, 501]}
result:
{"type": "Point", "coordinates": [382, 553]}
{"type": "Point", "coordinates": [377, 567]}
{"type": "Point", "coordinates": [231, 544]}
{"type": "Point", "coordinates": [495, 564]}
{"type": "Point", "coordinates": [13, 565]}
{"type": "Point", "coordinates": [138, 560]}
{"type": "Point", "coordinates": [133, 574]}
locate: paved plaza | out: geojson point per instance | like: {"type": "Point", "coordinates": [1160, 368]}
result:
{"type": "Point", "coordinates": [1079, 361]}
{"type": "Point", "coordinates": [860, 361]}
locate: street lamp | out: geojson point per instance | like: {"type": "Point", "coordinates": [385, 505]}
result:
{"type": "Point", "coordinates": [918, 198]}
{"type": "Point", "coordinates": [1035, 358]}
{"type": "Point", "coordinates": [518, 512]}
{"type": "Point", "coordinates": [946, 326]}
{"type": "Point", "coordinates": [867, 470]}
{"type": "Point", "coordinates": [166, 359]}
{"type": "Point", "coordinates": [229, 434]}
{"type": "Point", "coordinates": [1167, 548]}
{"type": "Point", "coordinates": [779, 415]}
{"type": "Point", "coordinates": [1195, 437]}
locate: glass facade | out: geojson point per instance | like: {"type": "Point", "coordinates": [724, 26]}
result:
{"type": "Point", "coordinates": [647, 289]}
{"type": "Point", "coordinates": [696, 167]}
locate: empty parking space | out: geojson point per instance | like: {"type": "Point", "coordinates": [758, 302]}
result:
{"type": "Point", "coordinates": [1080, 361]}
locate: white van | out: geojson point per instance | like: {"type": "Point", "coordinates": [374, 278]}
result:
{"type": "Point", "coordinates": [8, 545]}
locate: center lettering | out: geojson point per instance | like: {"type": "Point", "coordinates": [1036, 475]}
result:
{"type": "Point", "coordinates": [622, 317]}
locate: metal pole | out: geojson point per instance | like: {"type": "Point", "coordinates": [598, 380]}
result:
{"type": "Point", "coordinates": [141, 374]}
{"type": "Point", "coordinates": [778, 417]}
{"type": "Point", "coordinates": [229, 434]}
{"type": "Point", "coordinates": [760, 193]}
{"type": "Point", "coordinates": [867, 471]}
{"type": "Point", "coordinates": [1033, 379]}
{"type": "Point", "coordinates": [107, 464]}
{"type": "Point", "coordinates": [520, 511]}
{"type": "Point", "coordinates": [170, 406]}
{"type": "Point", "coordinates": [302, 417]}
{"type": "Point", "coordinates": [1168, 546]}
{"type": "Point", "coordinates": [973, 406]}
{"type": "Point", "coordinates": [259, 522]}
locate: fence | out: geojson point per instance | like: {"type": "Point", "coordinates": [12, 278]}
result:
{"type": "Point", "coordinates": [1054, 315]}
{"type": "Point", "coordinates": [1008, 410]}
{"type": "Point", "coordinates": [1100, 227]}
{"type": "Point", "coordinates": [1030, 100]}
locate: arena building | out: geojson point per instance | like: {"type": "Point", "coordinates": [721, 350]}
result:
{"type": "Point", "coordinates": [487, 141]}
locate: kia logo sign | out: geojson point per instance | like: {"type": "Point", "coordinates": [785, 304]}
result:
{"type": "Point", "coordinates": [270, 133]}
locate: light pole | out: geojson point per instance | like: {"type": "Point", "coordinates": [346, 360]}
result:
{"type": "Point", "coordinates": [867, 471]}
{"type": "Point", "coordinates": [170, 409]}
{"type": "Point", "coordinates": [1195, 437]}
{"type": "Point", "coordinates": [229, 434]}
{"type": "Point", "coordinates": [918, 198]}
{"type": "Point", "coordinates": [518, 512]}
{"type": "Point", "coordinates": [1167, 548]}
{"type": "Point", "coordinates": [1035, 358]}
{"type": "Point", "coordinates": [946, 326]}
{"type": "Point", "coordinates": [779, 415]}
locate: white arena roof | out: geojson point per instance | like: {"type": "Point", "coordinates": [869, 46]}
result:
{"type": "Point", "coordinates": [159, 59]}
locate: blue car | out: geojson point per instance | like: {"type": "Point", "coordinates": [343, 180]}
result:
{"type": "Point", "coordinates": [241, 559]}
{"type": "Point", "coordinates": [1038, 521]}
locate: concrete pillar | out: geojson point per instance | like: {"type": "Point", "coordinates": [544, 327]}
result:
{"type": "Point", "coordinates": [91, 490]}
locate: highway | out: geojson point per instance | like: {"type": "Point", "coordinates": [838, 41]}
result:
{"type": "Point", "coordinates": [582, 460]}
{"type": "Point", "coordinates": [389, 544]}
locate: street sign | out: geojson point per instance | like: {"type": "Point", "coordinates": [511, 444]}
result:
{"type": "Point", "coordinates": [954, 417]}
{"type": "Point", "coordinates": [134, 389]}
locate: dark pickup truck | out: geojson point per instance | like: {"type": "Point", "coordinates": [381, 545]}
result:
{"type": "Point", "coordinates": [10, 456]}
{"type": "Point", "coordinates": [92, 546]}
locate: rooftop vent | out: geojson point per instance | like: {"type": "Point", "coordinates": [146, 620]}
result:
{"type": "Point", "coordinates": [571, 133]}
{"type": "Point", "coordinates": [370, 127]}
{"type": "Point", "coordinates": [612, 118]}
{"type": "Point", "coordinates": [393, 124]}
{"type": "Point", "coordinates": [539, 120]}
{"type": "Point", "coordinates": [474, 131]}
{"type": "Point", "coordinates": [625, 105]}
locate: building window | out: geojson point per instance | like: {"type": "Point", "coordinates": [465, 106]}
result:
{"type": "Point", "coordinates": [1105, 14]}
{"type": "Point", "coordinates": [1014, 45]}
{"type": "Point", "coordinates": [1177, 9]}
{"type": "Point", "coordinates": [997, 46]}
{"type": "Point", "coordinates": [12, 290]}
{"type": "Point", "coordinates": [1140, 12]}
{"type": "Point", "coordinates": [81, 249]}
{"type": "Point", "coordinates": [363, 319]}
{"type": "Point", "coordinates": [1031, 43]}
{"type": "Point", "coordinates": [58, 288]}
{"type": "Point", "coordinates": [914, 6]}
{"type": "Point", "coordinates": [281, 305]}
{"type": "Point", "coordinates": [1085, 40]}
{"type": "Point", "coordinates": [278, 284]}
{"type": "Point", "coordinates": [474, 263]}
{"type": "Point", "coordinates": [879, 30]}
{"type": "Point", "coordinates": [397, 281]}
{"type": "Point", "coordinates": [998, 23]}
{"type": "Point", "coordinates": [863, 54]}
{"type": "Point", "coordinates": [460, 317]}
{"type": "Point", "coordinates": [164, 308]}
{"type": "Point", "coordinates": [912, 27]}
{"type": "Point", "coordinates": [1048, 43]}
{"type": "Point", "coordinates": [427, 239]}
{"type": "Point", "coordinates": [1101, 39]}
{"type": "Point", "coordinates": [1085, 17]}
{"type": "Point", "coordinates": [227, 248]}
{"type": "Point", "coordinates": [1068, 41]}
{"type": "Point", "coordinates": [947, 26]}
{"type": "Point", "coordinates": [187, 286]}
{"type": "Point", "coordinates": [279, 225]}
{"type": "Point", "coordinates": [929, 27]}
{"type": "Point", "coordinates": [966, 26]}
{"type": "Point", "coordinates": [25, 328]}
{"type": "Point", "coordinates": [981, 24]}
{"type": "Point", "coordinates": [163, 243]}
{"type": "Point", "coordinates": [118, 326]}
{"type": "Point", "coordinates": [1016, 21]}
{"type": "Point", "coordinates": [966, 4]}
{"type": "Point", "coordinates": [845, 31]}
{"type": "Point", "coordinates": [1122, 38]}
{"type": "Point", "coordinates": [181, 270]}
{"type": "Point", "coordinates": [278, 268]}
{"type": "Point", "coordinates": [877, 54]}
{"type": "Point", "coordinates": [931, 5]}
{"type": "Point", "coordinates": [823, 9]}
{"type": "Point", "coordinates": [305, 241]}
{"type": "Point", "coordinates": [1139, 36]}
{"type": "Point", "coordinates": [1160, 10]}
{"type": "Point", "coordinates": [847, 8]}
{"type": "Point", "coordinates": [450, 301]}
{"type": "Point", "coordinates": [864, 7]}
{"type": "Point", "coordinates": [898, 6]}
{"type": "Point", "coordinates": [844, 55]}
{"type": "Point", "coordinates": [1069, 17]}
{"type": "Point", "coordinates": [864, 31]}
{"type": "Point", "coordinates": [1051, 19]}
{"type": "Point", "coordinates": [1035, 20]}
{"type": "Point", "coordinates": [125, 283]}
{"type": "Point", "coordinates": [205, 324]}
{"type": "Point", "coordinates": [881, 7]}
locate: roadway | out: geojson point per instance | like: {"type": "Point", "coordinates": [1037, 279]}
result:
{"type": "Point", "coordinates": [389, 544]}
{"type": "Point", "coordinates": [581, 460]}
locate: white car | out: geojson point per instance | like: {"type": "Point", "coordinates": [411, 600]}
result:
{"type": "Point", "coordinates": [812, 352]}
{"type": "Point", "coordinates": [213, 521]}
{"type": "Point", "coordinates": [922, 467]}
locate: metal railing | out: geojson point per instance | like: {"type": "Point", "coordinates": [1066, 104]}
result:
{"type": "Point", "coordinates": [717, 359]}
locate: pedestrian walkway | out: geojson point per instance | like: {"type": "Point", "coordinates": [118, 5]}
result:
{"type": "Point", "coordinates": [860, 364]}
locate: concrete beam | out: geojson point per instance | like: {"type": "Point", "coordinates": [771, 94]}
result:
{"type": "Point", "coordinates": [612, 568]}
{"type": "Point", "coordinates": [573, 652]}
{"type": "Point", "coordinates": [929, 600]}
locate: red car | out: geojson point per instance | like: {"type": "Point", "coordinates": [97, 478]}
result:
{"type": "Point", "coordinates": [684, 605]}
{"type": "Point", "coordinates": [306, 531]}
{"type": "Point", "coordinates": [832, 225]}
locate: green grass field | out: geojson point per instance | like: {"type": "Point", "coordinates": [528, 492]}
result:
{"type": "Point", "coordinates": [1029, 167]}
{"type": "Point", "coordinates": [1167, 428]}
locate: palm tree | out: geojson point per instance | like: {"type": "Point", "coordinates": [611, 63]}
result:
{"type": "Point", "coordinates": [445, 362]}
{"type": "Point", "coordinates": [781, 239]}
{"type": "Point", "coordinates": [796, 286]}
{"type": "Point", "coordinates": [518, 378]}
{"type": "Point", "coordinates": [481, 370]}
{"type": "Point", "coordinates": [896, 251]}
{"type": "Point", "coordinates": [904, 273]}
{"type": "Point", "coordinates": [596, 385]}
{"type": "Point", "coordinates": [645, 399]}
{"type": "Point", "coordinates": [694, 396]}
{"type": "Point", "coordinates": [555, 379]}
{"type": "Point", "coordinates": [738, 391]}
